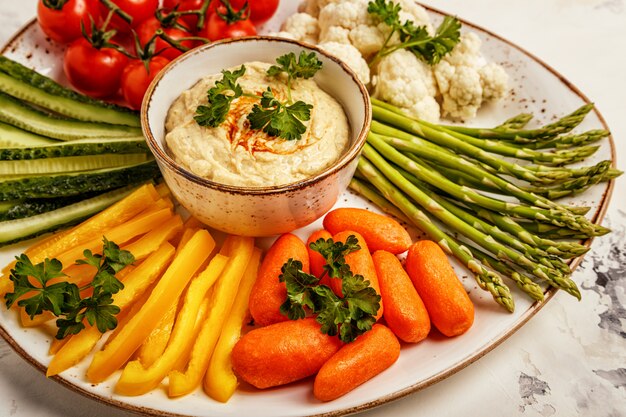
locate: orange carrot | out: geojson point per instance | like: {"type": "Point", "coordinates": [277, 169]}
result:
{"type": "Point", "coordinates": [379, 231]}
{"type": "Point", "coordinates": [356, 362]}
{"type": "Point", "coordinates": [282, 352]}
{"type": "Point", "coordinates": [405, 312]}
{"type": "Point", "coordinates": [268, 292]}
{"type": "Point", "coordinates": [315, 259]}
{"type": "Point", "coordinates": [448, 305]}
{"type": "Point", "coordinates": [361, 263]}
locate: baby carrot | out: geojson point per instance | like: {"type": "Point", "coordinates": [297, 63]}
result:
{"type": "Point", "coordinates": [282, 352]}
{"type": "Point", "coordinates": [356, 362]}
{"type": "Point", "coordinates": [379, 231]}
{"type": "Point", "coordinates": [405, 312]}
{"type": "Point", "coordinates": [268, 292]}
{"type": "Point", "coordinates": [360, 263]}
{"type": "Point", "coordinates": [448, 305]}
{"type": "Point", "coordinates": [316, 260]}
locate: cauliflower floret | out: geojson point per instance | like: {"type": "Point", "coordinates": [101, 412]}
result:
{"type": "Point", "coordinates": [465, 80]}
{"type": "Point", "coordinates": [303, 26]}
{"type": "Point", "coordinates": [352, 16]}
{"type": "Point", "coordinates": [494, 81]}
{"type": "Point", "coordinates": [408, 83]}
{"type": "Point", "coordinates": [415, 13]}
{"type": "Point", "coordinates": [351, 56]}
{"type": "Point", "coordinates": [335, 34]}
{"type": "Point", "coordinates": [313, 7]}
{"type": "Point", "coordinates": [464, 93]}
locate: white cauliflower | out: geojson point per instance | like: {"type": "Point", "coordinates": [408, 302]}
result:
{"type": "Point", "coordinates": [465, 80]}
{"type": "Point", "coordinates": [494, 80]}
{"type": "Point", "coordinates": [364, 31]}
{"type": "Point", "coordinates": [408, 83]}
{"type": "Point", "coordinates": [302, 26]}
{"type": "Point", "coordinates": [351, 56]}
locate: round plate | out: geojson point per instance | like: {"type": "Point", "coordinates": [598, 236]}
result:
{"type": "Point", "coordinates": [535, 88]}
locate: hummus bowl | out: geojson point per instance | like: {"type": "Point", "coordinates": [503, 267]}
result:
{"type": "Point", "coordinates": [258, 210]}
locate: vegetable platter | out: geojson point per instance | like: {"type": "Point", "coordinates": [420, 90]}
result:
{"type": "Point", "coordinates": [536, 89]}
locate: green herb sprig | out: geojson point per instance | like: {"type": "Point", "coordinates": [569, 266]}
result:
{"type": "Point", "coordinates": [63, 298]}
{"type": "Point", "coordinates": [350, 316]}
{"type": "Point", "coordinates": [219, 98]}
{"type": "Point", "coordinates": [275, 118]}
{"type": "Point", "coordinates": [414, 38]}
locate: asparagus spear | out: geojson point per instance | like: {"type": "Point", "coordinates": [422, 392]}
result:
{"type": "Point", "coordinates": [554, 216]}
{"type": "Point", "coordinates": [563, 125]}
{"type": "Point", "coordinates": [523, 282]}
{"type": "Point", "coordinates": [551, 275]}
{"type": "Point", "coordinates": [485, 278]}
{"type": "Point", "coordinates": [516, 122]}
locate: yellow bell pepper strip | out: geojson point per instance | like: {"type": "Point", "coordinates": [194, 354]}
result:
{"type": "Point", "coordinates": [153, 347]}
{"type": "Point", "coordinates": [151, 241]}
{"type": "Point", "coordinates": [163, 190]}
{"type": "Point", "coordinates": [222, 300]}
{"type": "Point", "coordinates": [57, 344]}
{"type": "Point", "coordinates": [135, 285]}
{"type": "Point", "coordinates": [167, 290]}
{"type": "Point", "coordinates": [185, 236]}
{"type": "Point", "coordinates": [95, 226]}
{"type": "Point", "coordinates": [119, 234]}
{"type": "Point", "coordinates": [183, 358]}
{"type": "Point", "coordinates": [220, 381]}
{"type": "Point", "coordinates": [38, 320]}
{"type": "Point", "coordinates": [194, 223]}
{"type": "Point", "coordinates": [161, 203]}
{"type": "Point", "coordinates": [137, 379]}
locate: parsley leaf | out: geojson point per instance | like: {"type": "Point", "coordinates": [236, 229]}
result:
{"type": "Point", "coordinates": [348, 316]}
{"type": "Point", "coordinates": [280, 119]}
{"type": "Point", "coordinates": [219, 99]}
{"type": "Point", "coordinates": [305, 66]}
{"type": "Point", "coordinates": [415, 38]}
{"type": "Point", "coordinates": [62, 298]}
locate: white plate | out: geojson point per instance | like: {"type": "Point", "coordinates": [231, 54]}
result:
{"type": "Point", "coordinates": [536, 88]}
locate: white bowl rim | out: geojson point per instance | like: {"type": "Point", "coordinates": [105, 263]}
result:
{"type": "Point", "coordinates": [162, 156]}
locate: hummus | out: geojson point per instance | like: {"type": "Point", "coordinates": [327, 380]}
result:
{"type": "Point", "coordinates": [233, 154]}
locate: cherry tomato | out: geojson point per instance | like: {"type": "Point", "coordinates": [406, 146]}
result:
{"type": "Point", "coordinates": [95, 72]}
{"type": "Point", "coordinates": [217, 28]}
{"type": "Point", "coordinates": [139, 10]}
{"type": "Point", "coordinates": [260, 10]}
{"type": "Point", "coordinates": [135, 79]}
{"type": "Point", "coordinates": [64, 25]}
{"type": "Point", "coordinates": [146, 30]}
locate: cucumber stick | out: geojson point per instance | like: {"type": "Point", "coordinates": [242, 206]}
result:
{"type": "Point", "coordinates": [12, 137]}
{"type": "Point", "coordinates": [22, 229]}
{"type": "Point", "coordinates": [74, 148]}
{"type": "Point", "coordinates": [68, 184]}
{"type": "Point", "coordinates": [28, 118]}
{"type": "Point", "coordinates": [18, 209]}
{"type": "Point", "coordinates": [69, 164]}
{"type": "Point", "coordinates": [24, 83]}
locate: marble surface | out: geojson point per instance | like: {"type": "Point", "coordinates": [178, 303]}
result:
{"type": "Point", "coordinates": [570, 359]}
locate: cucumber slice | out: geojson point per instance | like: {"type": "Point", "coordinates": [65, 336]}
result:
{"type": "Point", "coordinates": [22, 229]}
{"type": "Point", "coordinates": [63, 185]}
{"type": "Point", "coordinates": [18, 209]}
{"type": "Point", "coordinates": [75, 148]}
{"type": "Point", "coordinates": [12, 137]}
{"type": "Point", "coordinates": [69, 164]}
{"type": "Point", "coordinates": [28, 118]}
{"type": "Point", "coordinates": [26, 84]}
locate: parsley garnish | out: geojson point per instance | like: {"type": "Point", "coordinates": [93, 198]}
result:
{"type": "Point", "coordinates": [280, 119]}
{"type": "Point", "coordinates": [350, 316]}
{"type": "Point", "coordinates": [219, 98]}
{"type": "Point", "coordinates": [276, 118]}
{"type": "Point", "coordinates": [305, 66]}
{"type": "Point", "coordinates": [63, 299]}
{"type": "Point", "coordinates": [415, 38]}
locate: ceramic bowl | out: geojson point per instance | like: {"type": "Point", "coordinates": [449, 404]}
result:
{"type": "Point", "coordinates": [258, 211]}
